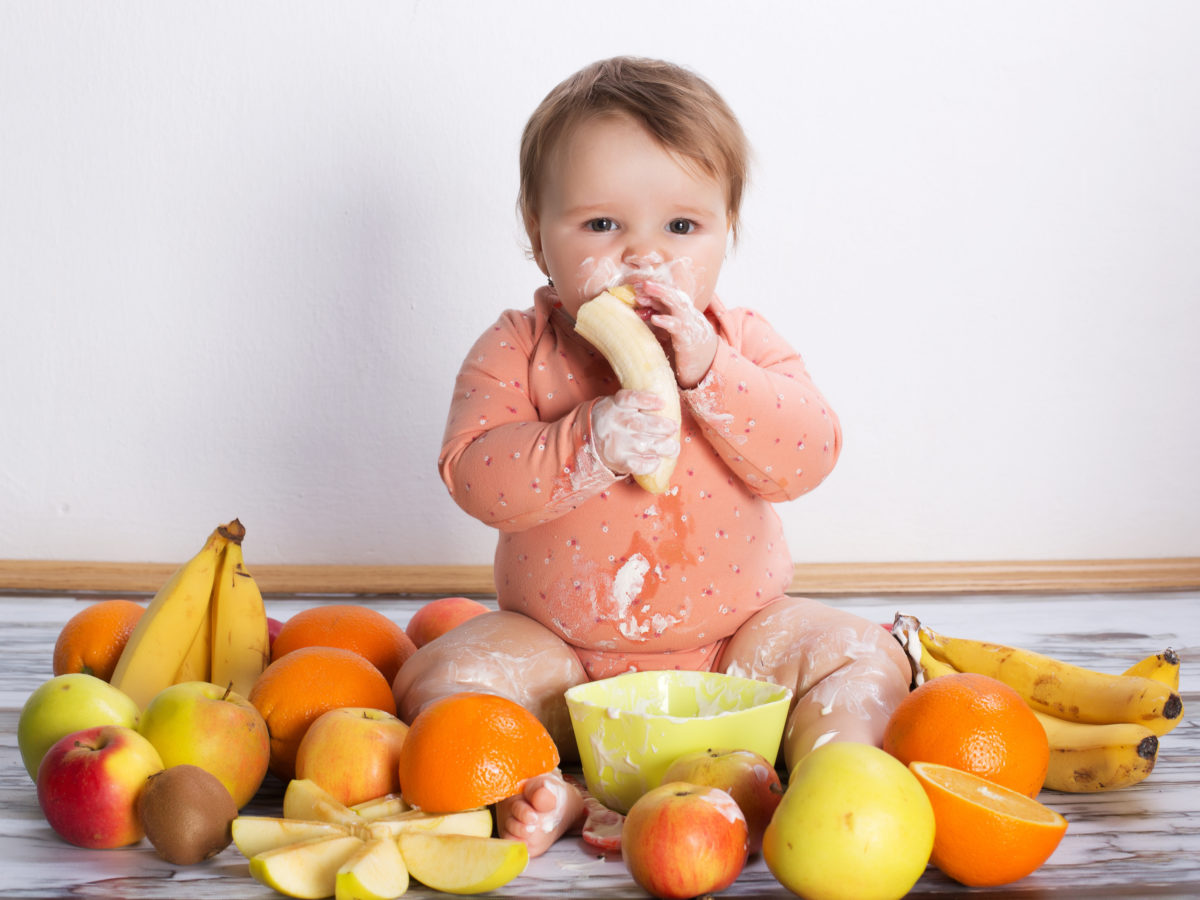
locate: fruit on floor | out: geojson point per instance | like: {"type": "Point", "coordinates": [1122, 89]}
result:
{"type": "Point", "coordinates": [1061, 689]}
{"type": "Point", "coordinates": [300, 686]}
{"type": "Point", "coordinates": [351, 626]}
{"type": "Point", "coordinates": [165, 632]}
{"type": "Point", "coordinates": [307, 869]}
{"type": "Point", "coordinates": [745, 775]}
{"type": "Point", "coordinates": [683, 840]}
{"type": "Point", "coordinates": [378, 807]}
{"type": "Point", "coordinates": [435, 618]}
{"type": "Point", "coordinates": [65, 704]}
{"type": "Point", "coordinates": [1162, 667]}
{"type": "Point", "coordinates": [92, 640]}
{"type": "Point", "coordinates": [472, 749]}
{"type": "Point", "coordinates": [609, 323]}
{"type": "Point", "coordinates": [375, 872]}
{"type": "Point", "coordinates": [353, 752]}
{"type": "Point", "coordinates": [987, 835]}
{"type": "Point", "coordinates": [974, 723]}
{"type": "Point", "coordinates": [187, 814]}
{"type": "Point", "coordinates": [253, 835]}
{"type": "Point", "coordinates": [88, 785]}
{"type": "Point", "coordinates": [462, 864]}
{"type": "Point", "coordinates": [854, 824]}
{"type": "Point", "coordinates": [303, 798]}
{"type": "Point", "coordinates": [239, 642]}
{"type": "Point", "coordinates": [1086, 758]}
{"type": "Point", "coordinates": [203, 724]}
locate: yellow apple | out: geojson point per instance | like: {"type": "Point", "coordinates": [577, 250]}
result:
{"type": "Point", "coordinates": [66, 704]}
{"type": "Point", "coordinates": [306, 869]}
{"type": "Point", "coordinates": [89, 782]}
{"type": "Point", "coordinates": [854, 823]}
{"type": "Point", "coordinates": [202, 724]}
{"type": "Point", "coordinates": [462, 864]}
{"type": "Point", "coordinates": [353, 752]}
{"type": "Point", "coordinates": [375, 872]}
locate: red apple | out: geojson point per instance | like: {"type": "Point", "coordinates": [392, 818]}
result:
{"type": "Point", "coordinates": [683, 840]}
{"type": "Point", "coordinates": [437, 617]}
{"type": "Point", "coordinates": [89, 782]}
{"type": "Point", "coordinates": [353, 753]}
{"type": "Point", "coordinates": [746, 776]}
{"type": "Point", "coordinates": [206, 725]}
{"type": "Point", "coordinates": [273, 627]}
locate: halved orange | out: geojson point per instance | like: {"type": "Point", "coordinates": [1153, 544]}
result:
{"type": "Point", "coordinates": [471, 749]}
{"type": "Point", "coordinates": [986, 834]}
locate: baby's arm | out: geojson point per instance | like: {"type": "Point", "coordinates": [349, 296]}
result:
{"type": "Point", "coordinates": [760, 411]}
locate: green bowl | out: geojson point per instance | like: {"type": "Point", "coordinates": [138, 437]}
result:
{"type": "Point", "coordinates": [629, 728]}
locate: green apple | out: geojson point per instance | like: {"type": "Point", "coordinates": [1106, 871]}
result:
{"type": "Point", "coordinates": [202, 724]}
{"type": "Point", "coordinates": [353, 752]}
{"type": "Point", "coordinates": [89, 782]}
{"type": "Point", "coordinates": [854, 822]}
{"type": "Point", "coordinates": [65, 704]}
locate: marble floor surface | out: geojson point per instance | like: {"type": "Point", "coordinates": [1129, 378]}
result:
{"type": "Point", "coordinates": [1142, 841]}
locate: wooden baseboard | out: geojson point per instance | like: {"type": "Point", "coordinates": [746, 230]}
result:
{"type": "Point", "coordinates": [814, 579]}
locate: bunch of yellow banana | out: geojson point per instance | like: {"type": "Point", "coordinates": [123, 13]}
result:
{"type": "Point", "coordinates": [207, 623]}
{"type": "Point", "coordinates": [1103, 729]}
{"type": "Point", "coordinates": [609, 323]}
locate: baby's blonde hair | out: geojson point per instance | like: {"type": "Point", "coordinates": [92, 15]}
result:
{"type": "Point", "coordinates": [679, 109]}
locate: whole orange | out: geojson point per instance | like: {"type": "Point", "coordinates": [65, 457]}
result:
{"type": "Point", "coordinates": [92, 640]}
{"type": "Point", "coordinates": [471, 749]}
{"type": "Point", "coordinates": [360, 629]}
{"type": "Point", "coordinates": [973, 723]}
{"type": "Point", "coordinates": [296, 689]}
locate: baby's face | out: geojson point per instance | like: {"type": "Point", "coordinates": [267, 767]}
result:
{"type": "Point", "coordinates": [617, 207]}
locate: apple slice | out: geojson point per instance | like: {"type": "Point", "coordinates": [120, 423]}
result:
{"type": "Point", "coordinates": [460, 863]}
{"type": "Point", "coordinates": [379, 807]}
{"type": "Point", "coordinates": [305, 799]}
{"type": "Point", "coordinates": [375, 872]}
{"type": "Point", "coordinates": [307, 869]}
{"type": "Point", "coordinates": [476, 822]}
{"type": "Point", "coordinates": [256, 834]}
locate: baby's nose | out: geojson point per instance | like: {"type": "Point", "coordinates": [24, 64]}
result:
{"type": "Point", "coordinates": [642, 258]}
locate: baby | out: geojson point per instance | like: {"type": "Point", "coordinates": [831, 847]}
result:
{"type": "Point", "coordinates": [632, 172]}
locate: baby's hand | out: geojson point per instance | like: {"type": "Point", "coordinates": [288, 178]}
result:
{"type": "Point", "coordinates": [693, 339]}
{"type": "Point", "coordinates": [629, 437]}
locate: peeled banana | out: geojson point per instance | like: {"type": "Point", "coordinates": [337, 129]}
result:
{"type": "Point", "coordinates": [611, 325]}
{"type": "Point", "coordinates": [240, 644]}
{"type": "Point", "coordinates": [207, 623]}
{"type": "Point", "coordinates": [1061, 689]}
{"type": "Point", "coordinates": [164, 634]}
{"type": "Point", "coordinates": [1086, 758]}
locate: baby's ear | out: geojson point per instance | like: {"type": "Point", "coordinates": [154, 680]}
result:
{"type": "Point", "coordinates": [535, 246]}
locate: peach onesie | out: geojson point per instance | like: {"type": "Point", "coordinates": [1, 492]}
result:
{"type": "Point", "coordinates": [630, 579]}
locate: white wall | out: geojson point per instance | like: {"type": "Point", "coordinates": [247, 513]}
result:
{"type": "Point", "coordinates": [244, 246]}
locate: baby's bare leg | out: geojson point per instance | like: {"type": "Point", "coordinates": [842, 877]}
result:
{"type": "Point", "coordinates": [502, 653]}
{"type": "Point", "coordinates": [848, 673]}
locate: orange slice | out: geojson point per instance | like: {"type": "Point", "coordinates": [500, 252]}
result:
{"type": "Point", "coordinates": [986, 834]}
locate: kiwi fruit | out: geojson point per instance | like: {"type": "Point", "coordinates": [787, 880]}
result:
{"type": "Point", "coordinates": [187, 814]}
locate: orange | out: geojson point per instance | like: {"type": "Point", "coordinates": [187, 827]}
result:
{"type": "Point", "coordinates": [363, 630]}
{"type": "Point", "coordinates": [985, 834]}
{"type": "Point", "coordinates": [92, 640]}
{"type": "Point", "coordinates": [468, 750]}
{"type": "Point", "coordinates": [296, 689]}
{"type": "Point", "coordinates": [974, 723]}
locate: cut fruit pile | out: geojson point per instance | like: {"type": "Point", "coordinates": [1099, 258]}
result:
{"type": "Point", "coordinates": [321, 848]}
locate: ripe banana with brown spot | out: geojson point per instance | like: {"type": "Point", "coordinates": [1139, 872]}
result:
{"type": "Point", "coordinates": [167, 629]}
{"type": "Point", "coordinates": [1061, 689]}
{"type": "Point", "coordinates": [1162, 667]}
{"type": "Point", "coordinates": [240, 643]}
{"type": "Point", "coordinates": [611, 325]}
{"type": "Point", "coordinates": [1087, 758]}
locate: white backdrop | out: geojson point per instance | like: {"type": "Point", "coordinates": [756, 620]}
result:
{"type": "Point", "coordinates": [244, 247]}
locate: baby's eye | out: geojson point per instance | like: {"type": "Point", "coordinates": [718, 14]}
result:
{"type": "Point", "coordinates": [681, 226]}
{"type": "Point", "coordinates": [601, 224]}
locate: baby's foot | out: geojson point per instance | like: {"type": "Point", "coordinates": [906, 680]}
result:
{"type": "Point", "coordinates": [546, 809]}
